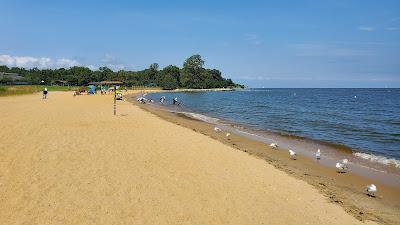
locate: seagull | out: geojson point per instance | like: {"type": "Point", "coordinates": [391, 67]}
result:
{"type": "Point", "coordinates": [228, 134]}
{"type": "Point", "coordinates": [318, 154]}
{"type": "Point", "coordinates": [345, 161]}
{"type": "Point", "coordinates": [341, 167]}
{"type": "Point", "coordinates": [292, 154]}
{"type": "Point", "coordinates": [217, 129]}
{"type": "Point", "coordinates": [273, 145]}
{"type": "Point", "coordinates": [371, 189]}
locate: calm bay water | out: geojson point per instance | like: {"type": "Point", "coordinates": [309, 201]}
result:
{"type": "Point", "coordinates": [366, 120]}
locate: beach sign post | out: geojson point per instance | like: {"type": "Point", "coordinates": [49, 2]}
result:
{"type": "Point", "coordinates": [113, 86]}
{"type": "Point", "coordinates": [115, 100]}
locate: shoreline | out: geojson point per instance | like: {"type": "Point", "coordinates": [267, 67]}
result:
{"type": "Point", "coordinates": [373, 166]}
{"type": "Point", "coordinates": [345, 190]}
{"type": "Point", "coordinates": [81, 164]}
{"type": "Point", "coordinates": [333, 151]}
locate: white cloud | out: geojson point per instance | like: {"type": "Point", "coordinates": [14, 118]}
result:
{"type": "Point", "coordinates": [29, 62]}
{"type": "Point", "coordinates": [25, 61]}
{"type": "Point", "coordinates": [366, 28]}
{"type": "Point", "coordinates": [92, 67]}
{"type": "Point", "coordinates": [116, 67]}
{"type": "Point", "coordinates": [112, 62]}
{"type": "Point", "coordinates": [66, 63]}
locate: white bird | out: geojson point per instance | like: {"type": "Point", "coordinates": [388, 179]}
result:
{"type": "Point", "coordinates": [341, 168]}
{"type": "Point", "coordinates": [345, 161]}
{"type": "Point", "coordinates": [371, 189]}
{"type": "Point", "coordinates": [318, 154]}
{"type": "Point", "coordinates": [228, 134]}
{"type": "Point", "coordinates": [292, 154]}
{"type": "Point", "coordinates": [273, 145]}
{"type": "Point", "coordinates": [217, 129]}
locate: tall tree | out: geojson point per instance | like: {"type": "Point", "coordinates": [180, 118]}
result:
{"type": "Point", "coordinates": [192, 76]}
{"type": "Point", "coordinates": [168, 78]}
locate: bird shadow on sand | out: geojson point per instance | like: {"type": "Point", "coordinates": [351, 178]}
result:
{"type": "Point", "coordinates": [372, 196]}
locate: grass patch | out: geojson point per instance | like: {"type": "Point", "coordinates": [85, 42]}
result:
{"type": "Point", "coordinates": [29, 89]}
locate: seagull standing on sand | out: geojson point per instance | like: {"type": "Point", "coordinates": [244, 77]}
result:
{"type": "Point", "coordinates": [371, 189]}
{"type": "Point", "coordinates": [228, 134]}
{"type": "Point", "coordinates": [318, 154]}
{"type": "Point", "coordinates": [273, 145]}
{"type": "Point", "coordinates": [217, 129]}
{"type": "Point", "coordinates": [292, 154]}
{"type": "Point", "coordinates": [341, 168]}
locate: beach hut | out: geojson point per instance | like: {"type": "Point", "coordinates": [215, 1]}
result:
{"type": "Point", "coordinates": [111, 83]}
{"type": "Point", "coordinates": [61, 82]}
{"type": "Point", "coordinates": [10, 78]}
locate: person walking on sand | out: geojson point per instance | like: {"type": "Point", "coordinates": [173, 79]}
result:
{"type": "Point", "coordinates": [45, 93]}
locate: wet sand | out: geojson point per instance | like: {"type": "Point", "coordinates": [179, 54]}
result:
{"type": "Point", "coordinates": [68, 160]}
{"type": "Point", "coordinates": [344, 189]}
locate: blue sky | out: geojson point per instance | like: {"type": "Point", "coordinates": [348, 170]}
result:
{"type": "Point", "coordinates": [307, 43]}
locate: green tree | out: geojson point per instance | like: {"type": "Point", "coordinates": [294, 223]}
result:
{"type": "Point", "coordinates": [168, 78]}
{"type": "Point", "coordinates": [192, 75]}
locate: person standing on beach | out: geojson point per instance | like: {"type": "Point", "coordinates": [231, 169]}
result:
{"type": "Point", "coordinates": [45, 93]}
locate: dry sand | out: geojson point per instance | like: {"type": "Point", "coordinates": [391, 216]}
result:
{"type": "Point", "coordinates": [68, 160]}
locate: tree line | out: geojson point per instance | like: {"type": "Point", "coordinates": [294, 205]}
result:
{"type": "Point", "coordinates": [191, 75]}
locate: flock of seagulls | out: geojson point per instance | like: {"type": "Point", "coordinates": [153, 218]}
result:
{"type": "Point", "coordinates": [217, 129]}
{"type": "Point", "coordinates": [341, 166]}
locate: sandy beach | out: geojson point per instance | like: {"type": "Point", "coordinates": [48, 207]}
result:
{"type": "Point", "coordinates": [68, 160]}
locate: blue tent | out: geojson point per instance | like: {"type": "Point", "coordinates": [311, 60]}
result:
{"type": "Point", "coordinates": [92, 89]}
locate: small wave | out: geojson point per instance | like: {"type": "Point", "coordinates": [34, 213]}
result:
{"type": "Point", "coordinates": [201, 117]}
{"type": "Point", "coordinates": [378, 159]}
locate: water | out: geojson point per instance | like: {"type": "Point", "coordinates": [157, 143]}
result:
{"type": "Point", "coordinates": [365, 120]}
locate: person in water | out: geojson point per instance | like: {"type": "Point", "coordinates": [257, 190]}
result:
{"type": "Point", "coordinates": [162, 99]}
{"type": "Point", "coordinates": [175, 101]}
{"type": "Point", "coordinates": [45, 93]}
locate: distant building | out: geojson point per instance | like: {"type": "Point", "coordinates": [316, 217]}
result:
{"type": "Point", "coordinates": [61, 82]}
{"type": "Point", "coordinates": [11, 78]}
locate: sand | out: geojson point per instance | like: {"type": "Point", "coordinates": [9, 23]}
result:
{"type": "Point", "coordinates": [68, 160]}
{"type": "Point", "coordinates": [344, 189]}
